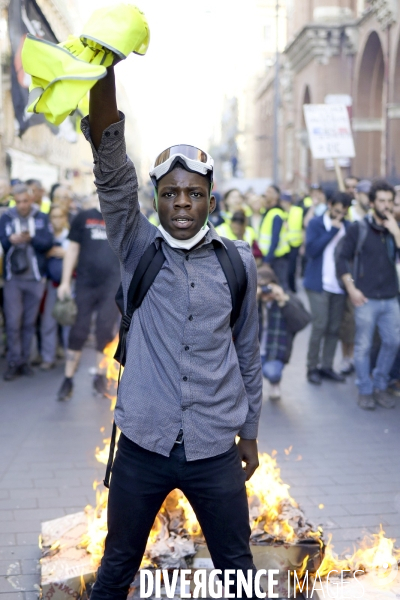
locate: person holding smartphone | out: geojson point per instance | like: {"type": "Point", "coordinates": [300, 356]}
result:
{"type": "Point", "coordinates": [373, 289]}
{"type": "Point", "coordinates": [325, 294]}
{"type": "Point", "coordinates": [282, 315]}
{"type": "Point", "coordinates": [26, 237]}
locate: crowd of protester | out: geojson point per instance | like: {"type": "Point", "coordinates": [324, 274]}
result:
{"type": "Point", "coordinates": [54, 251]}
{"type": "Point", "coordinates": [343, 246]}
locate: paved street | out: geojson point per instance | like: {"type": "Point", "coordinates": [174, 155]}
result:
{"type": "Point", "coordinates": [350, 460]}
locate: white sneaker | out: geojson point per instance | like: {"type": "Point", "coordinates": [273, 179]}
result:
{"type": "Point", "coordinates": [346, 366]}
{"type": "Point", "coordinates": [275, 391]}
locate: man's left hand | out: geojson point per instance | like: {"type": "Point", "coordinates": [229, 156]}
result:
{"type": "Point", "coordinates": [390, 224]}
{"type": "Point", "coordinates": [248, 452]}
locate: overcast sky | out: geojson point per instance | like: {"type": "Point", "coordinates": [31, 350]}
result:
{"type": "Point", "coordinates": [199, 51]}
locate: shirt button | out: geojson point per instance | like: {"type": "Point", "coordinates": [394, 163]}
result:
{"type": "Point", "coordinates": [107, 134]}
{"type": "Point", "coordinates": [192, 284]}
{"type": "Point", "coordinates": [184, 378]}
{"type": "Point", "coordinates": [187, 256]}
{"type": "Point", "coordinates": [116, 132]}
{"type": "Point", "coordinates": [191, 318]}
{"type": "Point", "coordinates": [186, 348]}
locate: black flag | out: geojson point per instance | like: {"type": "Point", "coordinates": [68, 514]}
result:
{"type": "Point", "coordinates": [25, 16]}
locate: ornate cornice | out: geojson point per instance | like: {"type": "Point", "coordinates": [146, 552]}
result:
{"type": "Point", "coordinates": [386, 11]}
{"type": "Point", "coordinates": [320, 42]}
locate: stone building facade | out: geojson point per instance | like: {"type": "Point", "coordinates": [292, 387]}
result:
{"type": "Point", "coordinates": [39, 153]}
{"type": "Point", "coordinates": [349, 48]}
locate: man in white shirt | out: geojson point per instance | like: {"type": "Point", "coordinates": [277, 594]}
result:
{"type": "Point", "coordinates": [326, 296]}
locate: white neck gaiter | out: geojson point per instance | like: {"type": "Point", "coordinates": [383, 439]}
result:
{"type": "Point", "coordinates": [183, 244]}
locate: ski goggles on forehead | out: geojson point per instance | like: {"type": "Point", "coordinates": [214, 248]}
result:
{"type": "Point", "coordinates": [192, 158]}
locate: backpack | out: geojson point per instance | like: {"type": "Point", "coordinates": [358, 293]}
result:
{"type": "Point", "coordinates": [354, 265]}
{"type": "Point", "coordinates": [147, 270]}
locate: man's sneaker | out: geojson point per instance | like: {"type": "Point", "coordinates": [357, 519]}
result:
{"type": "Point", "coordinates": [275, 391]}
{"type": "Point", "coordinates": [346, 366]}
{"type": "Point", "coordinates": [384, 398]}
{"type": "Point", "coordinates": [66, 389]}
{"type": "Point", "coordinates": [60, 353]}
{"type": "Point", "coordinates": [394, 388]}
{"type": "Point", "coordinates": [11, 373]}
{"type": "Point", "coordinates": [46, 366]}
{"type": "Point", "coordinates": [314, 377]}
{"type": "Point", "coordinates": [26, 370]}
{"type": "Point", "coordinates": [332, 375]}
{"type": "Point", "coordinates": [100, 384]}
{"type": "Point", "coordinates": [366, 401]}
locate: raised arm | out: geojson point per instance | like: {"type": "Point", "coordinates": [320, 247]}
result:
{"type": "Point", "coordinates": [128, 231]}
{"type": "Point", "coordinates": [103, 110]}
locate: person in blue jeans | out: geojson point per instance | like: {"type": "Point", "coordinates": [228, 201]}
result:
{"type": "Point", "coordinates": [282, 315]}
{"type": "Point", "coordinates": [373, 290]}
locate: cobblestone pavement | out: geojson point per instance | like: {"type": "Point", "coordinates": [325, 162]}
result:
{"type": "Point", "coordinates": [341, 457]}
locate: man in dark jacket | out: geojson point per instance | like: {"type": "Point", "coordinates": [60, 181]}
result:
{"type": "Point", "coordinates": [26, 236]}
{"type": "Point", "coordinates": [282, 315]}
{"type": "Point", "coordinates": [326, 296]}
{"type": "Point", "coordinates": [373, 289]}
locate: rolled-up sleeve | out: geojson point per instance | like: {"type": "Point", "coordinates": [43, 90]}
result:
{"type": "Point", "coordinates": [128, 231]}
{"type": "Point", "coordinates": [245, 334]}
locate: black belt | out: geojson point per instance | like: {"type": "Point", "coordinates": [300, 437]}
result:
{"type": "Point", "coordinates": [179, 439]}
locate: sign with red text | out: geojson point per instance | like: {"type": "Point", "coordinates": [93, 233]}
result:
{"type": "Point", "coordinates": [329, 130]}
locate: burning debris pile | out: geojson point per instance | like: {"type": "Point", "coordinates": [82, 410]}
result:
{"type": "Point", "coordinates": [280, 533]}
{"type": "Point", "coordinates": [275, 517]}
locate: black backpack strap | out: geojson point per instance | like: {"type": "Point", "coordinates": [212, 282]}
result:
{"type": "Point", "coordinates": [147, 270]}
{"type": "Point", "coordinates": [233, 268]}
{"type": "Point", "coordinates": [362, 234]}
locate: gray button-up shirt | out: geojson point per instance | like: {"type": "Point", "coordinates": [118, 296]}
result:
{"type": "Point", "coordinates": [183, 367]}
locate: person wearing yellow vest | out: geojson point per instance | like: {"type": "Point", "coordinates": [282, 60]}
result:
{"type": "Point", "coordinates": [295, 235]}
{"type": "Point", "coordinates": [272, 240]}
{"type": "Point", "coordinates": [37, 191]}
{"type": "Point", "coordinates": [238, 229]}
{"type": "Point", "coordinates": [233, 201]}
{"type": "Point", "coordinates": [256, 203]}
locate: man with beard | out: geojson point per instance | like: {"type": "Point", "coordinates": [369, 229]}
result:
{"type": "Point", "coordinates": [373, 290]}
{"type": "Point", "coordinates": [360, 206]}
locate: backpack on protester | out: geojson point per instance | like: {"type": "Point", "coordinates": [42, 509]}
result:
{"type": "Point", "coordinates": [354, 265]}
{"type": "Point", "coordinates": [147, 270]}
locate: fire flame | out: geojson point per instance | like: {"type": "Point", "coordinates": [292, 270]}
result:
{"type": "Point", "coordinates": [274, 514]}
{"type": "Point", "coordinates": [376, 554]}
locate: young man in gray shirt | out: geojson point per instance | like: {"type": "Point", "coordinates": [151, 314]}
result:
{"type": "Point", "coordinates": [191, 384]}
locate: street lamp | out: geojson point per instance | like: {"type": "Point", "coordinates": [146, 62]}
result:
{"type": "Point", "coordinates": [276, 103]}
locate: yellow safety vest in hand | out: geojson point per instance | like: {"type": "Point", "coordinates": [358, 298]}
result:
{"type": "Point", "coordinates": [295, 226]}
{"type": "Point", "coordinates": [265, 237]}
{"type": "Point", "coordinates": [62, 74]}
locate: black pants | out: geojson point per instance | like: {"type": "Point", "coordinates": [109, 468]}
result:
{"type": "Point", "coordinates": [280, 266]}
{"type": "Point", "coordinates": [140, 482]}
{"type": "Point", "coordinates": [294, 253]}
{"type": "Point", "coordinates": [101, 300]}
